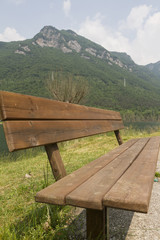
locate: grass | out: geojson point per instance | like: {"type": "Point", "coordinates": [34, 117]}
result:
{"type": "Point", "coordinates": [157, 174]}
{"type": "Point", "coordinates": [23, 219]}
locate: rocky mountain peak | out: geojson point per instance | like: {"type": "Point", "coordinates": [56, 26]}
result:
{"type": "Point", "coordinates": [70, 42]}
{"type": "Point", "coordinates": [49, 33]}
{"type": "Point", "coordinates": [48, 37]}
{"type": "Point", "coordinates": [52, 37]}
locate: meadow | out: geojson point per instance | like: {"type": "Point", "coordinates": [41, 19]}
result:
{"type": "Point", "coordinates": [24, 173]}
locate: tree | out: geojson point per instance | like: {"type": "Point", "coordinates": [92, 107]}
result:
{"type": "Point", "coordinates": [67, 88]}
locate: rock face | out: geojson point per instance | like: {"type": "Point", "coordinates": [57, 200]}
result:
{"type": "Point", "coordinates": [23, 49]}
{"type": "Point", "coordinates": [91, 51]}
{"type": "Point", "coordinates": [49, 37]}
{"type": "Point", "coordinates": [73, 44]}
{"type": "Point", "coordinates": [69, 42]}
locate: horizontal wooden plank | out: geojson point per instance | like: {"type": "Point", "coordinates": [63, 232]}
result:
{"type": "Point", "coordinates": [133, 190]}
{"type": "Point", "coordinates": [91, 192]}
{"type": "Point", "coordinates": [25, 134]}
{"type": "Point", "coordinates": [19, 106]}
{"type": "Point", "coordinates": [56, 193]}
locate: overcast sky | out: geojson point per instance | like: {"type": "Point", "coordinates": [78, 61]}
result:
{"type": "Point", "coordinates": [131, 26]}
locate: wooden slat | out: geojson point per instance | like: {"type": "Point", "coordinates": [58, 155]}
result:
{"type": "Point", "coordinates": [19, 106]}
{"type": "Point", "coordinates": [25, 134]}
{"type": "Point", "coordinates": [56, 193]}
{"type": "Point", "coordinates": [90, 193]}
{"type": "Point", "coordinates": [133, 189]}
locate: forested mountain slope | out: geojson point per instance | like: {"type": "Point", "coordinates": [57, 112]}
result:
{"type": "Point", "coordinates": [115, 81]}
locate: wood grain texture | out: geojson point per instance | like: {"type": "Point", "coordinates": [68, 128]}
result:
{"type": "Point", "coordinates": [91, 192]}
{"type": "Point", "coordinates": [57, 192]}
{"type": "Point", "coordinates": [55, 160]}
{"type": "Point", "coordinates": [118, 136]}
{"type": "Point", "coordinates": [19, 106]}
{"type": "Point", "coordinates": [96, 224]}
{"type": "Point", "coordinates": [25, 134]}
{"type": "Point", "coordinates": [133, 190]}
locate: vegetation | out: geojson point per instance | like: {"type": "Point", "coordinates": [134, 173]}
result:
{"type": "Point", "coordinates": [23, 219]}
{"type": "Point", "coordinates": [67, 88]}
{"type": "Point", "coordinates": [155, 68]}
{"type": "Point", "coordinates": [157, 174]}
{"type": "Point", "coordinates": [27, 71]}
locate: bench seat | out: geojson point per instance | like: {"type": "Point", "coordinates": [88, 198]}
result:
{"type": "Point", "coordinates": [122, 178]}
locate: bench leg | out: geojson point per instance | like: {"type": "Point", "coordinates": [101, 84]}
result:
{"type": "Point", "coordinates": [97, 224]}
{"type": "Point", "coordinates": [55, 161]}
{"type": "Point", "coordinates": [118, 136]}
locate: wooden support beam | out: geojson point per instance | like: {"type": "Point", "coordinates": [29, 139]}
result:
{"type": "Point", "coordinates": [55, 161]}
{"type": "Point", "coordinates": [118, 136]}
{"type": "Point", "coordinates": [97, 224]}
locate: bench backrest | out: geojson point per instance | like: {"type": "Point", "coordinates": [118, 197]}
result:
{"type": "Point", "coordinates": [32, 121]}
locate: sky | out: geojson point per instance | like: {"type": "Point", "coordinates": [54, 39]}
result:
{"type": "Point", "coordinates": [131, 26]}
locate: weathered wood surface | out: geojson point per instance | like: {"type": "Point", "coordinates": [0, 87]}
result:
{"type": "Point", "coordinates": [25, 134]}
{"type": "Point", "coordinates": [122, 178]}
{"type": "Point", "coordinates": [96, 224]}
{"type": "Point", "coordinates": [118, 136]}
{"type": "Point", "coordinates": [19, 106]}
{"type": "Point", "coordinates": [55, 160]}
{"type": "Point", "coordinates": [91, 192]}
{"type": "Point", "coordinates": [57, 192]}
{"type": "Point", "coordinates": [133, 190]}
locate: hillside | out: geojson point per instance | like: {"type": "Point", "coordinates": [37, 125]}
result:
{"type": "Point", "coordinates": [26, 65]}
{"type": "Point", "coordinates": [154, 68]}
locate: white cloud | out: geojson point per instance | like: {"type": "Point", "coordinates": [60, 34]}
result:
{"type": "Point", "coordinates": [145, 48]}
{"type": "Point", "coordinates": [10, 34]}
{"type": "Point", "coordinates": [66, 7]}
{"type": "Point", "coordinates": [138, 35]}
{"type": "Point", "coordinates": [136, 18]}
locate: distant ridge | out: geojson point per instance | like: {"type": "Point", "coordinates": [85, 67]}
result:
{"type": "Point", "coordinates": [155, 68]}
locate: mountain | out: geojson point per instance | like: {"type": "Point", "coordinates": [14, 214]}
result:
{"type": "Point", "coordinates": [154, 68]}
{"type": "Point", "coordinates": [69, 42]}
{"type": "Point", "coordinates": [115, 81]}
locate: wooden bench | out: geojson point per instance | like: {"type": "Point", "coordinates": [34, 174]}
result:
{"type": "Point", "coordinates": [122, 178]}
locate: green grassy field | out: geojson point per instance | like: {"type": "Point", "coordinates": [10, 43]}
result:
{"type": "Point", "coordinates": [20, 216]}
